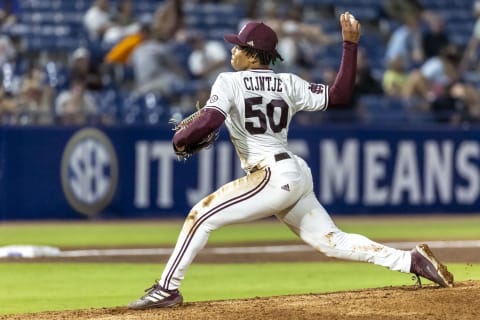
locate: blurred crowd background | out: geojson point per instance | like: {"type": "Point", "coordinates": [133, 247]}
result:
{"type": "Point", "coordinates": [142, 62]}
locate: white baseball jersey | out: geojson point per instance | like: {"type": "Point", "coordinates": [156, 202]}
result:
{"type": "Point", "coordinates": [258, 105]}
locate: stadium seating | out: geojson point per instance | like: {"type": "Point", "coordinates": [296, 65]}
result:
{"type": "Point", "coordinates": [145, 109]}
{"type": "Point", "coordinates": [57, 25]}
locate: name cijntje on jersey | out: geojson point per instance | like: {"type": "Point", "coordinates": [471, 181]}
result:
{"type": "Point", "coordinates": [263, 83]}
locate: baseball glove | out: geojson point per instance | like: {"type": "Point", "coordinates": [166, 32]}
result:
{"type": "Point", "coordinates": [189, 150]}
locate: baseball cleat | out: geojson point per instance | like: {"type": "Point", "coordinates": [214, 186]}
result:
{"type": "Point", "coordinates": [157, 297]}
{"type": "Point", "coordinates": [424, 264]}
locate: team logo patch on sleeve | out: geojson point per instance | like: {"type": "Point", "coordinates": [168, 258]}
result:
{"type": "Point", "coordinates": [213, 98]}
{"type": "Point", "coordinates": [316, 88]}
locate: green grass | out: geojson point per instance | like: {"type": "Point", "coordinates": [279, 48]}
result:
{"type": "Point", "coordinates": [61, 286]}
{"type": "Point", "coordinates": [89, 234]}
{"type": "Point", "coordinates": [416, 228]}
{"type": "Point", "coordinates": [165, 233]}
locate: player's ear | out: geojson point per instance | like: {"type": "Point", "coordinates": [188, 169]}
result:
{"type": "Point", "coordinates": [253, 59]}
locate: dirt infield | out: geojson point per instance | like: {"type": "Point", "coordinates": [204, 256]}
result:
{"type": "Point", "coordinates": [406, 302]}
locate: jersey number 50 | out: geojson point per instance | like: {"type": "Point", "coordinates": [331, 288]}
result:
{"type": "Point", "coordinates": [255, 108]}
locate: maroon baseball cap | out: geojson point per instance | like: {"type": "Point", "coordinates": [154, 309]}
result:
{"type": "Point", "coordinates": [256, 35]}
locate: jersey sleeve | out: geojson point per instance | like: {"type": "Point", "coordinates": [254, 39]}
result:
{"type": "Point", "coordinates": [309, 96]}
{"type": "Point", "coordinates": [221, 95]}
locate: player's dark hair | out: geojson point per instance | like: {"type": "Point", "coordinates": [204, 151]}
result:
{"type": "Point", "coordinates": [265, 57]}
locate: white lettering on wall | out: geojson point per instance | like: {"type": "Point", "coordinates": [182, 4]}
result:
{"type": "Point", "coordinates": [376, 154]}
{"type": "Point", "coordinates": [391, 173]}
{"type": "Point", "coordinates": [339, 172]}
{"type": "Point", "coordinates": [438, 176]}
{"type": "Point", "coordinates": [163, 153]}
{"type": "Point", "coordinates": [468, 193]}
{"type": "Point", "coordinates": [405, 174]}
{"type": "Point", "coordinates": [146, 154]}
{"type": "Point", "coordinates": [142, 175]}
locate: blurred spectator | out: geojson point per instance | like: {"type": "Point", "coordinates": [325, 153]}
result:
{"type": "Point", "coordinates": [298, 41]}
{"type": "Point", "coordinates": [97, 19]}
{"type": "Point", "coordinates": [471, 97]}
{"type": "Point", "coordinates": [457, 104]}
{"type": "Point", "coordinates": [207, 59]}
{"type": "Point", "coordinates": [406, 43]}
{"type": "Point", "coordinates": [420, 34]}
{"type": "Point", "coordinates": [400, 10]}
{"type": "Point", "coordinates": [9, 12]}
{"type": "Point", "coordinates": [435, 74]}
{"type": "Point", "coordinates": [125, 14]}
{"type": "Point", "coordinates": [394, 78]}
{"type": "Point", "coordinates": [36, 97]}
{"type": "Point", "coordinates": [82, 67]}
{"type": "Point", "coordinates": [365, 82]}
{"type": "Point", "coordinates": [118, 58]}
{"type": "Point", "coordinates": [266, 11]}
{"type": "Point", "coordinates": [155, 66]}
{"type": "Point", "coordinates": [11, 72]}
{"type": "Point", "coordinates": [101, 27]}
{"type": "Point", "coordinates": [7, 49]}
{"type": "Point", "coordinates": [30, 103]}
{"type": "Point", "coordinates": [438, 84]}
{"type": "Point", "coordinates": [8, 107]}
{"type": "Point", "coordinates": [125, 23]}
{"type": "Point", "coordinates": [121, 51]}
{"type": "Point", "coordinates": [435, 37]}
{"type": "Point", "coordinates": [169, 21]}
{"type": "Point", "coordinates": [75, 106]}
{"type": "Point", "coordinates": [470, 60]}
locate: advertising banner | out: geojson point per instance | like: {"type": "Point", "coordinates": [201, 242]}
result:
{"type": "Point", "coordinates": [132, 172]}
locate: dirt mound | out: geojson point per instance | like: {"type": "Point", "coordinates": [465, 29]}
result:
{"type": "Point", "coordinates": [406, 302]}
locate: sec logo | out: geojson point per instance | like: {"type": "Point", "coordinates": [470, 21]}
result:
{"type": "Point", "coordinates": [213, 98]}
{"type": "Point", "coordinates": [89, 171]}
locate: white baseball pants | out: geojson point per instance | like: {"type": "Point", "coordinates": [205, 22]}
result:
{"type": "Point", "coordinates": [285, 189]}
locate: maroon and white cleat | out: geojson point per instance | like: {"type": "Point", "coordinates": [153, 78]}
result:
{"type": "Point", "coordinates": [424, 264]}
{"type": "Point", "coordinates": [157, 297]}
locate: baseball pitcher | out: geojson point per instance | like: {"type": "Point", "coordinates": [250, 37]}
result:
{"type": "Point", "coordinates": [257, 105]}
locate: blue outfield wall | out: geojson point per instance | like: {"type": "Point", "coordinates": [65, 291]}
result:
{"type": "Point", "coordinates": [128, 172]}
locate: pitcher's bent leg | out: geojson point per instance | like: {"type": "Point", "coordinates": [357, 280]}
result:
{"type": "Point", "coordinates": [189, 243]}
{"type": "Point", "coordinates": [310, 221]}
{"type": "Point", "coordinates": [245, 199]}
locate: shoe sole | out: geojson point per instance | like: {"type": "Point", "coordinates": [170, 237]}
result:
{"type": "Point", "coordinates": [170, 304]}
{"type": "Point", "coordinates": [442, 271]}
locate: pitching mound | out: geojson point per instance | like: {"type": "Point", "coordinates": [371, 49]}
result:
{"type": "Point", "coordinates": [407, 302]}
